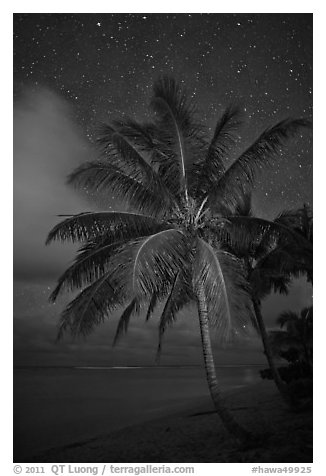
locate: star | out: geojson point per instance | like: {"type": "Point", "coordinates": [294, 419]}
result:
{"type": "Point", "coordinates": [112, 73]}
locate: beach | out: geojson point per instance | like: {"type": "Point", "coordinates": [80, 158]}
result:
{"type": "Point", "coordinates": [58, 406]}
{"type": "Point", "coordinates": [186, 429]}
{"type": "Point", "coordinates": [197, 436]}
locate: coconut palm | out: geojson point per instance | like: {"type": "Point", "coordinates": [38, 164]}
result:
{"type": "Point", "coordinates": [271, 262]}
{"type": "Point", "coordinates": [276, 266]}
{"type": "Point", "coordinates": [172, 179]}
{"type": "Point", "coordinates": [263, 273]}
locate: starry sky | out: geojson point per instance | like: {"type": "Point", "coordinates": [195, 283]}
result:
{"type": "Point", "coordinates": [72, 71]}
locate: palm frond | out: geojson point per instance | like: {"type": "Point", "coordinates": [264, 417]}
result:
{"type": "Point", "coordinates": [108, 180]}
{"type": "Point", "coordinates": [179, 131]}
{"type": "Point", "coordinates": [155, 267]}
{"type": "Point", "coordinates": [180, 295]}
{"type": "Point", "coordinates": [156, 261]}
{"type": "Point", "coordinates": [242, 173]}
{"type": "Point", "coordinates": [264, 281]}
{"type": "Point", "coordinates": [142, 135]}
{"type": "Point", "coordinates": [91, 263]}
{"type": "Point", "coordinates": [93, 260]}
{"type": "Point", "coordinates": [297, 335]}
{"type": "Point", "coordinates": [300, 220]}
{"type": "Point", "coordinates": [241, 235]}
{"type": "Point", "coordinates": [124, 149]}
{"type": "Point", "coordinates": [286, 261]}
{"type": "Point", "coordinates": [119, 149]}
{"type": "Point", "coordinates": [247, 230]}
{"type": "Point", "coordinates": [211, 167]}
{"type": "Point", "coordinates": [89, 309]}
{"type": "Point", "coordinates": [112, 289]}
{"type": "Point", "coordinates": [151, 306]}
{"type": "Point", "coordinates": [226, 289]}
{"type": "Point", "coordinates": [124, 320]}
{"type": "Point", "coordinates": [244, 207]}
{"type": "Point", "coordinates": [91, 225]}
{"type": "Point", "coordinates": [285, 317]}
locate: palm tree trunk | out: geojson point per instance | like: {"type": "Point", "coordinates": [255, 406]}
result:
{"type": "Point", "coordinates": [269, 355]}
{"type": "Point", "coordinates": [239, 433]}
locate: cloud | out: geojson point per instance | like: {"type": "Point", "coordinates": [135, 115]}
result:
{"type": "Point", "coordinates": [47, 146]}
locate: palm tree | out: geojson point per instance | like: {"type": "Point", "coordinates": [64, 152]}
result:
{"type": "Point", "coordinates": [275, 267]}
{"type": "Point", "coordinates": [294, 343]}
{"type": "Point", "coordinates": [297, 336]}
{"type": "Point", "coordinates": [299, 258]}
{"type": "Point", "coordinates": [271, 262]}
{"type": "Point", "coordinates": [162, 247]}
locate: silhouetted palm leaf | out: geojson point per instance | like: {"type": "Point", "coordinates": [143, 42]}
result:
{"type": "Point", "coordinates": [142, 135]}
{"type": "Point", "coordinates": [104, 177]}
{"type": "Point", "coordinates": [242, 173]}
{"type": "Point", "coordinates": [210, 167]}
{"type": "Point", "coordinates": [264, 280]}
{"type": "Point", "coordinates": [179, 296]}
{"type": "Point", "coordinates": [300, 220]}
{"type": "Point", "coordinates": [151, 306]}
{"type": "Point", "coordinates": [297, 335]}
{"type": "Point", "coordinates": [89, 308]}
{"type": "Point", "coordinates": [125, 318]}
{"type": "Point", "coordinates": [245, 229]}
{"type": "Point", "coordinates": [91, 263]}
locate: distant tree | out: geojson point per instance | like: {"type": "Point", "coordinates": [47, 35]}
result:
{"type": "Point", "coordinates": [295, 341]}
{"type": "Point", "coordinates": [299, 259]}
{"type": "Point", "coordinates": [271, 261]}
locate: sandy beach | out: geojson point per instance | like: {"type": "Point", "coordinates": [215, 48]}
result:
{"type": "Point", "coordinates": [196, 435]}
{"type": "Point", "coordinates": [59, 406]}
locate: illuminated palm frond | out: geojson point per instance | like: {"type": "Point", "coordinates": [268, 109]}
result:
{"type": "Point", "coordinates": [179, 131]}
{"type": "Point", "coordinates": [226, 289]}
{"type": "Point", "coordinates": [113, 226]}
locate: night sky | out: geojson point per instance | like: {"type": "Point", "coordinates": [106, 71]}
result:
{"type": "Point", "coordinates": [72, 71]}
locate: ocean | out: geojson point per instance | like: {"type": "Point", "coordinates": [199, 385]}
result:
{"type": "Point", "coordinates": [60, 406]}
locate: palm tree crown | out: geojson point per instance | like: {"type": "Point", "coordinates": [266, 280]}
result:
{"type": "Point", "coordinates": [181, 201]}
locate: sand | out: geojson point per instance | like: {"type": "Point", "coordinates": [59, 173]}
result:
{"type": "Point", "coordinates": [197, 435]}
